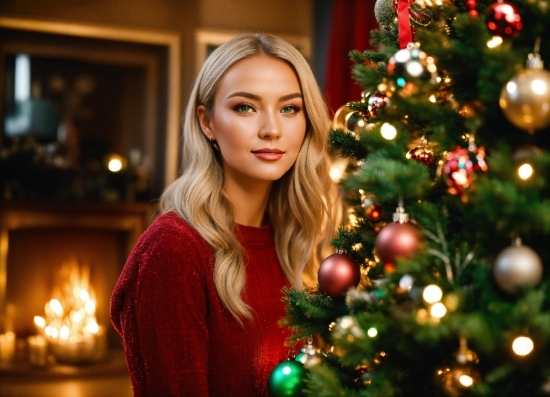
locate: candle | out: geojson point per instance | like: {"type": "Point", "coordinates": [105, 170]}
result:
{"type": "Point", "coordinates": [38, 350]}
{"type": "Point", "coordinates": [7, 346]}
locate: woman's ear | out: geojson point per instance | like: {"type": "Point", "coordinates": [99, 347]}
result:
{"type": "Point", "coordinates": [204, 120]}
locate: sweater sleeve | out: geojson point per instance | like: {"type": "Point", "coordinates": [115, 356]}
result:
{"type": "Point", "coordinates": [163, 316]}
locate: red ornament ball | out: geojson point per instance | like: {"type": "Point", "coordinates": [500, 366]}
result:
{"type": "Point", "coordinates": [337, 274]}
{"type": "Point", "coordinates": [397, 240]}
{"type": "Point", "coordinates": [374, 212]}
{"type": "Point", "coordinates": [503, 19]}
{"type": "Point", "coordinates": [471, 6]}
{"type": "Point", "coordinates": [423, 154]}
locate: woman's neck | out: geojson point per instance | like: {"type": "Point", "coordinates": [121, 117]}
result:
{"type": "Point", "coordinates": [249, 202]}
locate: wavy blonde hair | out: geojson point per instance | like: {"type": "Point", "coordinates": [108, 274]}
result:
{"type": "Point", "coordinates": [299, 206]}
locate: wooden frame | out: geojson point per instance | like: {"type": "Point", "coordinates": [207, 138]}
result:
{"type": "Point", "coordinates": [206, 40]}
{"type": "Point", "coordinates": [169, 41]}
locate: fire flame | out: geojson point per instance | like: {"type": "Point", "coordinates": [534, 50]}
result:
{"type": "Point", "coordinates": [70, 314]}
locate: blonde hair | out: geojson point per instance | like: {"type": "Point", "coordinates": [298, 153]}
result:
{"type": "Point", "coordinates": [299, 208]}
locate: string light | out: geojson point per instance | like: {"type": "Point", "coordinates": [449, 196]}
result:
{"type": "Point", "coordinates": [525, 171]}
{"type": "Point", "coordinates": [438, 310]}
{"type": "Point", "coordinates": [494, 42]}
{"type": "Point", "coordinates": [522, 345]}
{"type": "Point", "coordinates": [466, 380]}
{"type": "Point", "coordinates": [432, 294]}
{"type": "Point", "coordinates": [388, 131]}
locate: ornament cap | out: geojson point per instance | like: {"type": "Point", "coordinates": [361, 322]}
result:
{"type": "Point", "coordinates": [400, 216]}
{"type": "Point", "coordinates": [534, 62]}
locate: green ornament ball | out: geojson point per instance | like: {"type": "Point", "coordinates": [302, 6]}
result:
{"type": "Point", "coordinates": [287, 380]}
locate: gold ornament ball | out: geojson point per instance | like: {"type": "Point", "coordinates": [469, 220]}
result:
{"type": "Point", "coordinates": [348, 120]}
{"type": "Point", "coordinates": [340, 117]}
{"type": "Point", "coordinates": [458, 381]}
{"type": "Point", "coordinates": [517, 266]}
{"type": "Point", "coordinates": [525, 99]}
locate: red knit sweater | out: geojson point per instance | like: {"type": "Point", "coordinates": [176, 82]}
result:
{"type": "Point", "coordinates": [179, 339]}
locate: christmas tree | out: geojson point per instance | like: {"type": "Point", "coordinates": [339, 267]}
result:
{"type": "Point", "coordinates": [437, 286]}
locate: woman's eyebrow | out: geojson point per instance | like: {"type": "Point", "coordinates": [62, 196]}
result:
{"type": "Point", "coordinates": [257, 97]}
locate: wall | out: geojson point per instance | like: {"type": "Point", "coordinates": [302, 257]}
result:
{"type": "Point", "coordinates": [289, 17]}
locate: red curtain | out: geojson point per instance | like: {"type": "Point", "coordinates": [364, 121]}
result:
{"type": "Point", "coordinates": [351, 23]}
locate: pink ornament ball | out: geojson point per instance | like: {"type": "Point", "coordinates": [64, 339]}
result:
{"type": "Point", "coordinates": [397, 240]}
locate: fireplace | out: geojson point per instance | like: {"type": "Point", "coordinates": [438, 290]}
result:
{"type": "Point", "coordinates": [36, 242]}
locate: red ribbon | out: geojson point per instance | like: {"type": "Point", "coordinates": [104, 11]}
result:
{"type": "Point", "coordinates": [404, 23]}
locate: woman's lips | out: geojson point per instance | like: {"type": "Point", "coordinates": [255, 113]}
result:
{"type": "Point", "coordinates": [269, 154]}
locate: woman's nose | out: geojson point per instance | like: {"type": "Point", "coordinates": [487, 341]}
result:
{"type": "Point", "coordinates": [270, 127]}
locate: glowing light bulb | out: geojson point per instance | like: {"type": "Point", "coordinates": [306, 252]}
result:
{"type": "Point", "coordinates": [494, 42]}
{"type": "Point", "coordinates": [432, 294]}
{"type": "Point", "coordinates": [522, 345]}
{"type": "Point", "coordinates": [525, 171]}
{"type": "Point", "coordinates": [372, 332]}
{"type": "Point", "coordinates": [115, 165]}
{"type": "Point", "coordinates": [466, 380]}
{"type": "Point", "coordinates": [388, 131]}
{"type": "Point", "coordinates": [438, 310]}
{"type": "Point", "coordinates": [337, 171]}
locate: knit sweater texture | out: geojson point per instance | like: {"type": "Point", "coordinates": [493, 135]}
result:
{"type": "Point", "coordinates": [179, 339]}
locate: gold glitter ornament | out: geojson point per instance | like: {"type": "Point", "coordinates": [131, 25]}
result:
{"type": "Point", "coordinates": [383, 12]}
{"type": "Point", "coordinates": [422, 153]}
{"type": "Point", "coordinates": [349, 120]}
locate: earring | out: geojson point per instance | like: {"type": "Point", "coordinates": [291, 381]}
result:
{"type": "Point", "coordinates": [214, 144]}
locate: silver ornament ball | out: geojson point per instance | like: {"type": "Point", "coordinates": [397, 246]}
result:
{"type": "Point", "coordinates": [517, 266]}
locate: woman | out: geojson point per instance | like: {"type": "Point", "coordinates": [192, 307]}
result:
{"type": "Point", "coordinates": [199, 299]}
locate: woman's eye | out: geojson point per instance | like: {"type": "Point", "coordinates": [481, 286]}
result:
{"type": "Point", "coordinates": [290, 109]}
{"type": "Point", "coordinates": [243, 108]}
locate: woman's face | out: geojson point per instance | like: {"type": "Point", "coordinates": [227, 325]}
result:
{"type": "Point", "coordinates": [258, 120]}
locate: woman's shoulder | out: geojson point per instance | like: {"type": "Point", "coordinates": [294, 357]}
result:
{"type": "Point", "coordinates": [170, 231]}
{"type": "Point", "coordinates": [173, 224]}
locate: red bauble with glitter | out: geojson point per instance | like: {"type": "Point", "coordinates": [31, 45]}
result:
{"type": "Point", "coordinates": [422, 153]}
{"type": "Point", "coordinates": [503, 19]}
{"type": "Point", "coordinates": [397, 240]}
{"type": "Point", "coordinates": [337, 274]}
{"type": "Point", "coordinates": [377, 102]}
{"type": "Point", "coordinates": [460, 168]}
